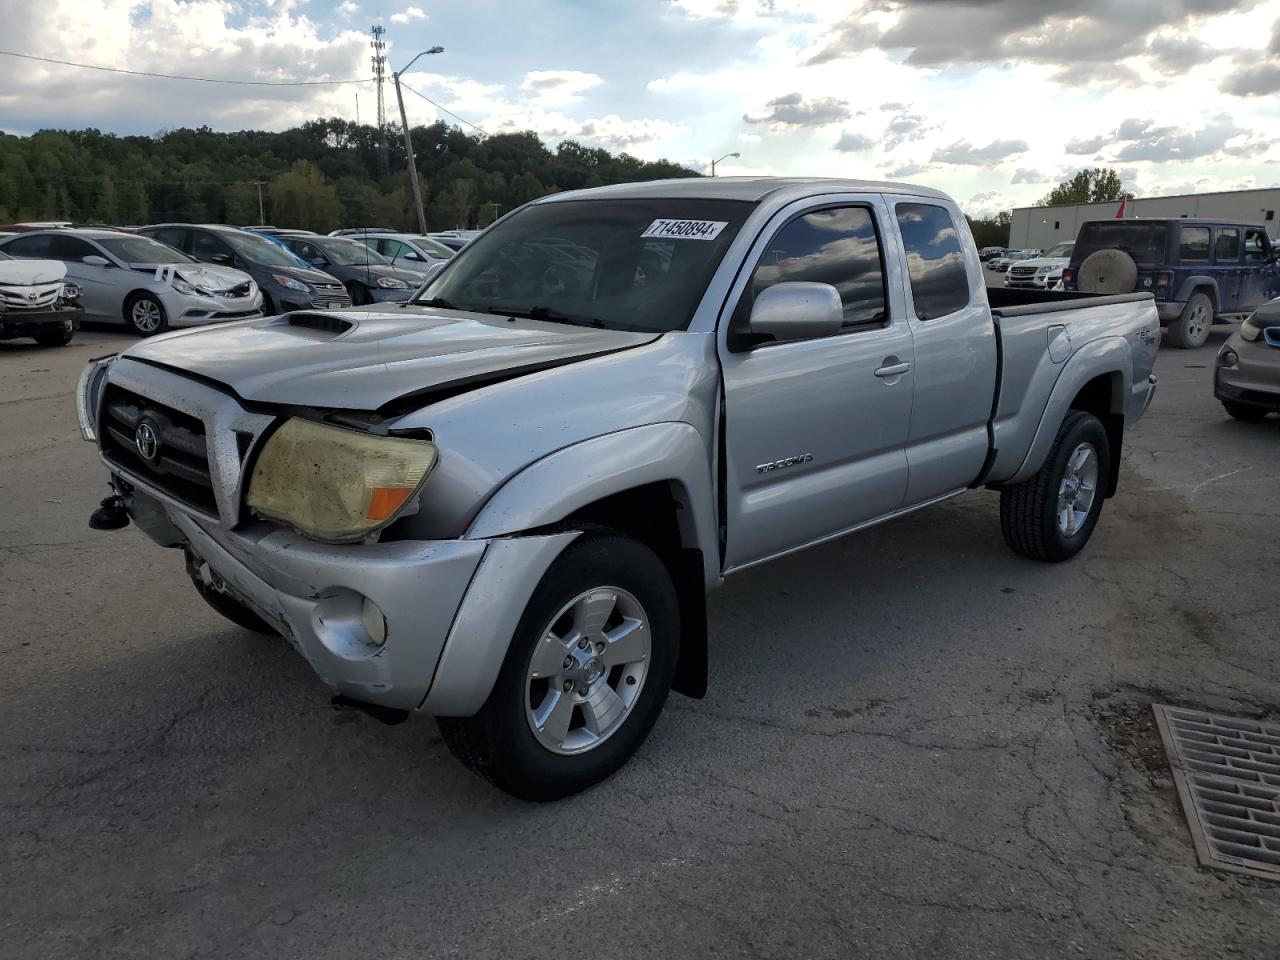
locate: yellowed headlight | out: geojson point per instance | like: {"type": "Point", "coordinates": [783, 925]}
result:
{"type": "Point", "coordinates": [336, 484]}
{"type": "Point", "coordinates": [1249, 330]}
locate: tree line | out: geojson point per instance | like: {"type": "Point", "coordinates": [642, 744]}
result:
{"type": "Point", "coordinates": [319, 176]}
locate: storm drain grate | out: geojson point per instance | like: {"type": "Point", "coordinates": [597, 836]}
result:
{"type": "Point", "coordinates": [1228, 774]}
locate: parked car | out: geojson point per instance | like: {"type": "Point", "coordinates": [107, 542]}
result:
{"type": "Point", "coordinates": [286, 284]}
{"type": "Point", "coordinates": [131, 279]}
{"type": "Point", "coordinates": [1042, 272]}
{"type": "Point", "coordinates": [408, 251]}
{"type": "Point", "coordinates": [454, 239]}
{"type": "Point", "coordinates": [355, 231]}
{"type": "Point", "coordinates": [502, 503]}
{"type": "Point", "coordinates": [986, 253]}
{"type": "Point", "coordinates": [1002, 263]}
{"type": "Point", "coordinates": [37, 301]}
{"type": "Point", "coordinates": [1200, 271]}
{"type": "Point", "coordinates": [368, 276]}
{"type": "Point", "coordinates": [1246, 378]}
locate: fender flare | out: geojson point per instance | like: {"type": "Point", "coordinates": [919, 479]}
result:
{"type": "Point", "coordinates": [553, 488]}
{"type": "Point", "coordinates": [1109, 356]}
{"type": "Point", "coordinates": [1193, 283]}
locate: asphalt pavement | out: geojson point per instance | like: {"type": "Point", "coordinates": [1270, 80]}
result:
{"type": "Point", "coordinates": [915, 744]}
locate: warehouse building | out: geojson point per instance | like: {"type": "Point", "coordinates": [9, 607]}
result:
{"type": "Point", "coordinates": [1039, 228]}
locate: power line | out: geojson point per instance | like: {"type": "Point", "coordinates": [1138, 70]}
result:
{"type": "Point", "coordinates": [171, 76]}
{"type": "Point", "coordinates": [442, 109]}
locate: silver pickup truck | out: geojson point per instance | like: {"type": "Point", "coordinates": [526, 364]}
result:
{"type": "Point", "coordinates": [502, 503]}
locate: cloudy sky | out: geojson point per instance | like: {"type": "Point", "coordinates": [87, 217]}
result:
{"type": "Point", "coordinates": [991, 100]}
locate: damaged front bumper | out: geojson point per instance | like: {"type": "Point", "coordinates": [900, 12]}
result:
{"type": "Point", "coordinates": [450, 607]}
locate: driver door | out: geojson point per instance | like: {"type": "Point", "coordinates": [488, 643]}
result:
{"type": "Point", "coordinates": [816, 430]}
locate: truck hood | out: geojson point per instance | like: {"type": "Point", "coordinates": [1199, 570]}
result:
{"type": "Point", "coordinates": [369, 358]}
{"type": "Point", "coordinates": [31, 272]}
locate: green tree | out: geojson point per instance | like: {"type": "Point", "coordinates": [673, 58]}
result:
{"type": "Point", "coordinates": [1091, 185]}
{"type": "Point", "coordinates": [302, 198]}
{"type": "Point", "coordinates": [992, 231]}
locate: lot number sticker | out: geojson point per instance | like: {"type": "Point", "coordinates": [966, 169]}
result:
{"type": "Point", "coordinates": [685, 229]}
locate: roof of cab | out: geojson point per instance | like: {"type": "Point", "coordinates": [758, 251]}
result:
{"type": "Point", "coordinates": [752, 189]}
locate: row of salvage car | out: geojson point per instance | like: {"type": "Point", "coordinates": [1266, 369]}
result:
{"type": "Point", "coordinates": [167, 276]}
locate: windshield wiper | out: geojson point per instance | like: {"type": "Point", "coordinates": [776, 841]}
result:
{"type": "Point", "coordinates": [548, 314]}
{"type": "Point", "coordinates": [436, 302]}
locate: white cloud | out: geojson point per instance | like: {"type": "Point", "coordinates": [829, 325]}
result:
{"type": "Point", "coordinates": [348, 8]}
{"type": "Point", "coordinates": [407, 14]}
{"type": "Point", "coordinates": [558, 88]}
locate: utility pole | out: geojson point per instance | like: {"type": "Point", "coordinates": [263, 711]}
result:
{"type": "Point", "coordinates": [408, 140]}
{"type": "Point", "coordinates": [262, 217]}
{"type": "Point", "coordinates": [725, 157]}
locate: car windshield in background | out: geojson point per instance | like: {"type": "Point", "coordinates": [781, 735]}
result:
{"type": "Point", "coordinates": [133, 250]}
{"type": "Point", "coordinates": [433, 247]}
{"type": "Point", "coordinates": [1145, 242]}
{"type": "Point", "coordinates": [1060, 251]}
{"type": "Point", "coordinates": [348, 253]}
{"type": "Point", "coordinates": [622, 264]}
{"type": "Point", "coordinates": [257, 250]}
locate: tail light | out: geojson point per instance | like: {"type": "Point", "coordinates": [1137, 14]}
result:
{"type": "Point", "coordinates": [1068, 274]}
{"type": "Point", "coordinates": [1164, 278]}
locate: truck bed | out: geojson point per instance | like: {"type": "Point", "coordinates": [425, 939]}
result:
{"type": "Point", "coordinates": [1024, 301]}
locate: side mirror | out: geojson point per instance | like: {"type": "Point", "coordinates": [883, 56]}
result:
{"type": "Point", "coordinates": [413, 256]}
{"type": "Point", "coordinates": [93, 260]}
{"type": "Point", "coordinates": [433, 271]}
{"type": "Point", "coordinates": [797, 310]}
{"type": "Point", "coordinates": [222, 259]}
{"type": "Point", "coordinates": [317, 261]}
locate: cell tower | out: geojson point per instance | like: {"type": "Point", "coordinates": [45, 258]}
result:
{"type": "Point", "coordinates": [379, 60]}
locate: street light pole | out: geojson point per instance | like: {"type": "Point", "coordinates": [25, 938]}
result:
{"type": "Point", "coordinates": [408, 141]}
{"type": "Point", "coordinates": [721, 160]}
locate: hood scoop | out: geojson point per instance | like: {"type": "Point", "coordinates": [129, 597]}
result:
{"type": "Point", "coordinates": [324, 323]}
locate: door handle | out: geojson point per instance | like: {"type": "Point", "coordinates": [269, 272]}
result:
{"type": "Point", "coordinates": [893, 368]}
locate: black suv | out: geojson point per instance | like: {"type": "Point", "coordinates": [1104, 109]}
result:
{"type": "Point", "coordinates": [286, 282]}
{"type": "Point", "coordinates": [1198, 270]}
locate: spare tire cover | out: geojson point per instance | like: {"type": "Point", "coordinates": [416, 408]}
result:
{"type": "Point", "coordinates": [1108, 272]}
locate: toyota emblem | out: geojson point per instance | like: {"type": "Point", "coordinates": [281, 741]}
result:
{"type": "Point", "coordinates": [147, 441]}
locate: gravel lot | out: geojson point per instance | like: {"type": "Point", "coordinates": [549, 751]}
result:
{"type": "Point", "coordinates": [915, 743]}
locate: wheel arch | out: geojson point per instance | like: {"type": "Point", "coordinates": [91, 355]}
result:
{"type": "Point", "coordinates": [1103, 396]}
{"type": "Point", "coordinates": [1200, 283]}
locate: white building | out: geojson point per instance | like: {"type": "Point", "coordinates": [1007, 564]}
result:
{"type": "Point", "coordinates": [1038, 228]}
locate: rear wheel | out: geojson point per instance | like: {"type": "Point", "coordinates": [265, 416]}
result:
{"type": "Point", "coordinates": [359, 294]}
{"type": "Point", "coordinates": [585, 677]}
{"type": "Point", "coordinates": [145, 315]}
{"type": "Point", "coordinates": [1051, 516]}
{"type": "Point", "coordinates": [1242, 412]}
{"type": "Point", "coordinates": [1191, 329]}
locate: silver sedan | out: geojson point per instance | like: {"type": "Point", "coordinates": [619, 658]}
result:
{"type": "Point", "coordinates": [148, 286]}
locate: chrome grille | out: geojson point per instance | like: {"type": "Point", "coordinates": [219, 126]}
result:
{"type": "Point", "coordinates": [179, 466]}
{"type": "Point", "coordinates": [30, 296]}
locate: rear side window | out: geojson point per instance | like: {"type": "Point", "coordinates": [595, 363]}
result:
{"type": "Point", "coordinates": [173, 236]}
{"type": "Point", "coordinates": [36, 246]}
{"type": "Point", "coordinates": [838, 246]}
{"type": "Point", "coordinates": [1227, 247]}
{"type": "Point", "coordinates": [205, 246]}
{"type": "Point", "coordinates": [1194, 244]}
{"type": "Point", "coordinates": [62, 247]}
{"type": "Point", "coordinates": [935, 260]}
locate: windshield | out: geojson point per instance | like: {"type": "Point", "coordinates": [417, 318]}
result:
{"type": "Point", "coordinates": [133, 250]}
{"type": "Point", "coordinates": [622, 264]}
{"type": "Point", "coordinates": [257, 250]}
{"type": "Point", "coordinates": [1145, 242]}
{"type": "Point", "coordinates": [1061, 251]}
{"type": "Point", "coordinates": [348, 253]}
{"type": "Point", "coordinates": [433, 248]}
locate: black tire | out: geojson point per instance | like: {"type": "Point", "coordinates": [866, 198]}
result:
{"type": "Point", "coordinates": [145, 315]}
{"type": "Point", "coordinates": [1192, 328]}
{"type": "Point", "coordinates": [268, 308]}
{"type": "Point", "coordinates": [1029, 510]}
{"type": "Point", "coordinates": [498, 743]}
{"type": "Point", "coordinates": [1242, 412]}
{"type": "Point", "coordinates": [359, 294]}
{"type": "Point", "coordinates": [55, 338]}
{"type": "Point", "coordinates": [230, 607]}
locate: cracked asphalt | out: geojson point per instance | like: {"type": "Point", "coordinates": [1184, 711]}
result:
{"type": "Point", "coordinates": [915, 743]}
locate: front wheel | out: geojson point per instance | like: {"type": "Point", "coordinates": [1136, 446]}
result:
{"type": "Point", "coordinates": [1242, 412]}
{"type": "Point", "coordinates": [145, 315]}
{"type": "Point", "coordinates": [585, 677]}
{"type": "Point", "coordinates": [359, 294]}
{"type": "Point", "coordinates": [1191, 329]}
{"type": "Point", "coordinates": [56, 338]}
{"type": "Point", "coordinates": [1051, 515]}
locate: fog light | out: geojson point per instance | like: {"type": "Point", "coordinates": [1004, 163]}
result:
{"type": "Point", "coordinates": [1227, 358]}
{"type": "Point", "coordinates": [375, 624]}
